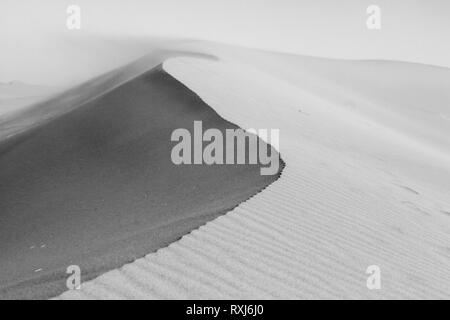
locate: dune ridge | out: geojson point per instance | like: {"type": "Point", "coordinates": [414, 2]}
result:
{"type": "Point", "coordinates": [356, 191]}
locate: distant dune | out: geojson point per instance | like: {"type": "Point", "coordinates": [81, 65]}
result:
{"type": "Point", "coordinates": [15, 96]}
{"type": "Point", "coordinates": [366, 182]}
{"type": "Point", "coordinates": [86, 178]}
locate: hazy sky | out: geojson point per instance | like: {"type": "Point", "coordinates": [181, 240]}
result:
{"type": "Point", "coordinates": [36, 46]}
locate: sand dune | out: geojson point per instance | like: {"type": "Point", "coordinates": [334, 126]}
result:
{"type": "Point", "coordinates": [90, 181]}
{"type": "Point", "coordinates": [38, 113]}
{"type": "Point", "coordinates": [366, 182]}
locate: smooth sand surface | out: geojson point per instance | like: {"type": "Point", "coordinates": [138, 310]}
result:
{"type": "Point", "coordinates": [366, 183]}
{"type": "Point", "coordinates": [95, 186]}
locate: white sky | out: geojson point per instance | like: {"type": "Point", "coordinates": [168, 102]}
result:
{"type": "Point", "coordinates": [36, 47]}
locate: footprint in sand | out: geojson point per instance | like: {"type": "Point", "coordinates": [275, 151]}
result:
{"type": "Point", "coordinates": [409, 189]}
{"type": "Point", "coordinates": [415, 207]}
{"type": "Point", "coordinates": [303, 112]}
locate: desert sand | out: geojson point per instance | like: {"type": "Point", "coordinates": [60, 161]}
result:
{"type": "Point", "coordinates": [86, 179]}
{"type": "Point", "coordinates": [366, 182]}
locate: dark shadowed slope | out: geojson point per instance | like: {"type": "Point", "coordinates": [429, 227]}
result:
{"type": "Point", "coordinates": [96, 187]}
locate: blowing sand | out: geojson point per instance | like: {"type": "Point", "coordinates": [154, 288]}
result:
{"type": "Point", "coordinates": [366, 183]}
{"type": "Point", "coordinates": [16, 95]}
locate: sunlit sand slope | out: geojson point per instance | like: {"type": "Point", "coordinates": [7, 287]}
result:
{"type": "Point", "coordinates": [366, 183]}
